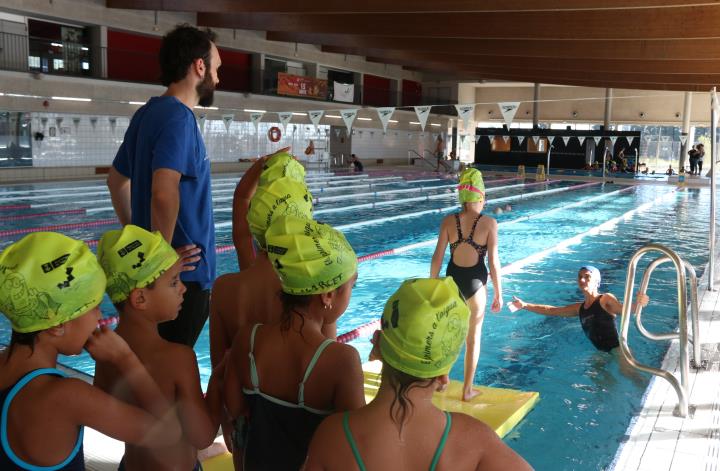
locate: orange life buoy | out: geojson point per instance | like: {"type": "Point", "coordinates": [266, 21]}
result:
{"type": "Point", "coordinates": [274, 134]}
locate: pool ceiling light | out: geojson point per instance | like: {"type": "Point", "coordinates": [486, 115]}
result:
{"type": "Point", "coordinates": [70, 98]}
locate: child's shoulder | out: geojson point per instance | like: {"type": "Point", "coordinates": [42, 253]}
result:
{"type": "Point", "coordinates": [175, 356]}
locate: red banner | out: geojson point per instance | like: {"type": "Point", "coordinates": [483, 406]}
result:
{"type": "Point", "coordinates": [296, 85]}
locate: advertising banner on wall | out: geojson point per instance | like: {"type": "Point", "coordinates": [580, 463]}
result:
{"type": "Point", "coordinates": [296, 85]}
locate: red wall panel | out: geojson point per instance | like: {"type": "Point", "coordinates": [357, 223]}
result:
{"type": "Point", "coordinates": [132, 57]}
{"type": "Point", "coordinates": [376, 91]}
{"type": "Point", "coordinates": [411, 93]}
{"type": "Point", "coordinates": [234, 73]}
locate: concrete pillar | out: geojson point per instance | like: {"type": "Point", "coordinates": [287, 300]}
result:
{"type": "Point", "coordinates": [395, 92]}
{"type": "Point", "coordinates": [687, 109]}
{"type": "Point", "coordinates": [257, 73]}
{"type": "Point", "coordinates": [98, 51]}
{"type": "Point", "coordinates": [536, 105]}
{"type": "Point", "coordinates": [608, 109]}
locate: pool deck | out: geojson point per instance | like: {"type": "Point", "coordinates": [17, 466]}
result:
{"type": "Point", "coordinates": [659, 441]}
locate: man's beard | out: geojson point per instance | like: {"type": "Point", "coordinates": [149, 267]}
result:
{"type": "Point", "coordinates": [205, 90]}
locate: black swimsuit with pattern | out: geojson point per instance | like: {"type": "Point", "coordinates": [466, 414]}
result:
{"type": "Point", "coordinates": [469, 279]}
{"type": "Point", "coordinates": [599, 326]}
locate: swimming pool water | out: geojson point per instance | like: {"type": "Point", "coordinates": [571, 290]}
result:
{"type": "Point", "coordinates": [586, 402]}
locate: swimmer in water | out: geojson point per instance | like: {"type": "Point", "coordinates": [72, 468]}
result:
{"type": "Point", "coordinates": [508, 208]}
{"type": "Point", "coordinates": [498, 210]}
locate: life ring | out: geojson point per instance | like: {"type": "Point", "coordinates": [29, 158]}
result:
{"type": "Point", "coordinates": [274, 134]}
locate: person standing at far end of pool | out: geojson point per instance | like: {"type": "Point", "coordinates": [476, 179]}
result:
{"type": "Point", "coordinates": [467, 263]}
{"type": "Point", "coordinates": [160, 178]}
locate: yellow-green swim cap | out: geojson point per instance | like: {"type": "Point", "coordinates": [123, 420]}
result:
{"type": "Point", "coordinates": [280, 197]}
{"type": "Point", "coordinates": [424, 324]}
{"type": "Point", "coordinates": [133, 258]}
{"type": "Point", "coordinates": [471, 187]}
{"type": "Point", "coordinates": [282, 165]}
{"type": "Point", "coordinates": [309, 257]}
{"type": "Point", "coordinates": [47, 279]}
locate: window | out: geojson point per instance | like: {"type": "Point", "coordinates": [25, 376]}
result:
{"type": "Point", "coordinates": [58, 64]}
{"type": "Point", "coordinates": [34, 62]}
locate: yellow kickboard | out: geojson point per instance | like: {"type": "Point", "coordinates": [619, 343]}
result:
{"type": "Point", "coordinates": [501, 409]}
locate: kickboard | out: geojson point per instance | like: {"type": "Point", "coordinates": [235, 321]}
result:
{"type": "Point", "coordinates": [501, 409]}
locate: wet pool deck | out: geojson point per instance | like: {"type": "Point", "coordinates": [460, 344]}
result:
{"type": "Point", "coordinates": [657, 440]}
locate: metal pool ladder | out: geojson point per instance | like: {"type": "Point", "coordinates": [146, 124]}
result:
{"type": "Point", "coordinates": [682, 267]}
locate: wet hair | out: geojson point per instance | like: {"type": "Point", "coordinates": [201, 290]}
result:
{"type": "Point", "coordinates": [291, 303]}
{"type": "Point", "coordinates": [18, 338]}
{"type": "Point", "coordinates": [402, 384]}
{"type": "Point", "coordinates": [180, 47]}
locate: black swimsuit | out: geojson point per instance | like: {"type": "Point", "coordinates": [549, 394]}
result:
{"type": "Point", "coordinates": [599, 326]}
{"type": "Point", "coordinates": [469, 279]}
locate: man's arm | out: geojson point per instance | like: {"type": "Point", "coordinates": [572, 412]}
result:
{"type": "Point", "coordinates": [119, 186]}
{"type": "Point", "coordinates": [165, 202]}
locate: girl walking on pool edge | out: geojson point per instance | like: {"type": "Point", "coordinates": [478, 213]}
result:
{"type": "Point", "coordinates": [467, 264]}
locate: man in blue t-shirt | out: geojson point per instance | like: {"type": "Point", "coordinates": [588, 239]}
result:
{"type": "Point", "coordinates": [160, 178]}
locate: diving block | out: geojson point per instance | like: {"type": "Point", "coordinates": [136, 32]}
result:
{"type": "Point", "coordinates": [500, 409]}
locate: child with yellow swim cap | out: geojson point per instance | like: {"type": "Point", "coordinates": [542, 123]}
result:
{"type": "Point", "coordinates": [283, 379]}
{"type": "Point", "coordinates": [467, 262]}
{"type": "Point", "coordinates": [50, 290]}
{"type": "Point", "coordinates": [424, 324]}
{"type": "Point", "coordinates": [143, 273]}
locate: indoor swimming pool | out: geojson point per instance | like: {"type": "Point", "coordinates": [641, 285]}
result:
{"type": "Point", "coordinates": [586, 403]}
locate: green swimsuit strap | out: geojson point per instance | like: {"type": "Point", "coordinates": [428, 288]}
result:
{"type": "Point", "coordinates": [351, 442]}
{"type": "Point", "coordinates": [443, 439]}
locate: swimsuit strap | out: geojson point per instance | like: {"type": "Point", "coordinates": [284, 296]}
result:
{"type": "Point", "coordinates": [253, 369]}
{"type": "Point", "coordinates": [472, 231]}
{"type": "Point", "coordinates": [4, 418]}
{"type": "Point", "coordinates": [308, 370]}
{"type": "Point", "coordinates": [443, 439]}
{"type": "Point", "coordinates": [351, 442]}
{"type": "Point", "coordinates": [459, 228]}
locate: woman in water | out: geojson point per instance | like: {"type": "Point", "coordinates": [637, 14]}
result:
{"type": "Point", "coordinates": [596, 312]}
{"type": "Point", "coordinates": [467, 263]}
{"type": "Point", "coordinates": [401, 429]}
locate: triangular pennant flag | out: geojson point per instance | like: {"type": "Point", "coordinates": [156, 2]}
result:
{"type": "Point", "coordinates": [337, 132]}
{"type": "Point", "coordinates": [613, 139]}
{"type": "Point", "coordinates": [665, 138]}
{"type": "Point", "coordinates": [76, 123]}
{"type": "Point", "coordinates": [477, 138]}
{"type": "Point", "coordinates": [58, 122]}
{"type": "Point", "coordinates": [521, 139]}
{"type": "Point", "coordinates": [508, 110]}
{"type": "Point", "coordinates": [491, 137]}
{"type": "Point", "coordinates": [385, 114]}
{"type": "Point", "coordinates": [44, 122]}
{"type": "Point", "coordinates": [93, 122]}
{"type": "Point", "coordinates": [630, 140]}
{"type": "Point", "coordinates": [462, 138]}
{"type": "Point", "coordinates": [201, 121]}
{"type": "Point", "coordinates": [683, 139]}
{"type": "Point", "coordinates": [285, 117]}
{"type": "Point", "coordinates": [349, 117]}
{"type": "Point", "coordinates": [315, 117]}
{"type": "Point", "coordinates": [113, 123]}
{"type": "Point", "coordinates": [506, 138]}
{"type": "Point", "coordinates": [536, 139]}
{"type": "Point", "coordinates": [228, 119]}
{"type": "Point", "coordinates": [423, 112]}
{"type": "Point", "coordinates": [566, 139]}
{"type": "Point", "coordinates": [597, 139]}
{"type": "Point", "coordinates": [255, 119]}
{"type": "Point", "coordinates": [582, 139]}
{"type": "Point", "coordinates": [465, 112]}
{"type": "Point", "coordinates": [647, 137]}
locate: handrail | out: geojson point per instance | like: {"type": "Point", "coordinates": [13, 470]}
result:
{"type": "Point", "coordinates": [421, 158]}
{"type": "Point", "coordinates": [681, 387]}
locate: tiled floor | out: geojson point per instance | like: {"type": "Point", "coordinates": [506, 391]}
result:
{"type": "Point", "coordinates": [660, 441]}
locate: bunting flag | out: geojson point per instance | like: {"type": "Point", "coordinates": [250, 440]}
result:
{"type": "Point", "coordinates": [93, 122]}
{"type": "Point", "coordinates": [582, 140]}
{"type": "Point", "coordinates": [566, 139]}
{"type": "Point", "coordinates": [630, 140]}
{"type": "Point", "coordinates": [44, 122]}
{"type": "Point", "coordinates": [465, 112]}
{"type": "Point", "coordinates": [337, 132]}
{"type": "Point", "coordinates": [423, 112]}
{"type": "Point", "coordinates": [76, 123]}
{"type": "Point", "coordinates": [613, 140]}
{"type": "Point", "coordinates": [315, 117]}
{"type": "Point", "coordinates": [201, 121]}
{"type": "Point", "coordinates": [349, 117]}
{"type": "Point", "coordinates": [477, 138]}
{"type": "Point", "coordinates": [285, 117]}
{"type": "Point", "coordinates": [508, 110]}
{"type": "Point", "coordinates": [506, 138]}
{"type": "Point", "coordinates": [683, 138]}
{"type": "Point", "coordinates": [113, 123]}
{"type": "Point", "coordinates": [665, 138]}
{"type": "Point", "coordinates": [491, 137]}
{"type": "Point", "coordinates": [462, 138]}
{"type": "Point", "coordinates": [385, 114]}
{"type": "Point", "coordinates": [58, 122]}
{"type": "Point", "coordinates": [535, 140]}
{"type": "Point", "coordinates": [228, 119]}
{"type": "Point", "coordinates": [255, 120]}
{"type": "Point", "coordinates": [597, 139]}
{"type": "Point", "coordinates": [521, 139]}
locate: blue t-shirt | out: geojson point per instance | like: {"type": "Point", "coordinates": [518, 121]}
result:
{"type": "Point", "coordinates": [164, 134]}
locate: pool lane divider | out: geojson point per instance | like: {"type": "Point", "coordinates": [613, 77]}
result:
{"type": "Point", "coordinates": [19, 217]}
{"type": "Point", "coordinates": [59, 227]}
{"type": "Point", "coordinates": [12, 207]}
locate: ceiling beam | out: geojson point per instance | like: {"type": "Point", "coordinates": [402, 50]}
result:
{"type": "Point", "coordinates": [605, 65]}
{"type": "Point", "coordinates": [688, 49]}
{"type": "Point", "coordinates": [650, 24]}
{"type": "Point", "coordinates": [342, 7]}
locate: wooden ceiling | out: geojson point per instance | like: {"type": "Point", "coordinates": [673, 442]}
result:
{"type": "Point", "coordinates": [641, 44]}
